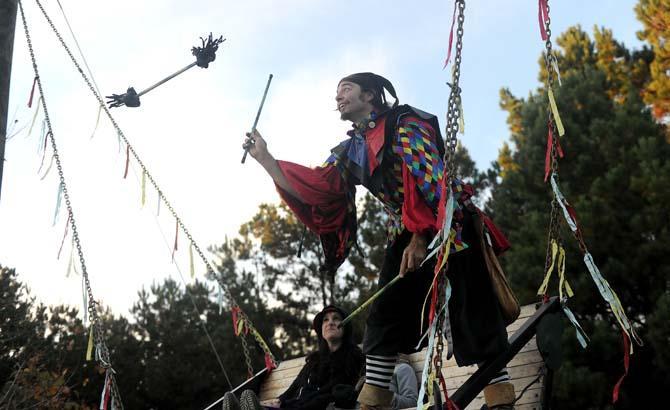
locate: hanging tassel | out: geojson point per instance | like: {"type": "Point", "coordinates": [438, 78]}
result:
{"type": "Point", "coordinates": [626, 362]}
{"type": "Point", "coordinates": [563, 284]}
{"type": "Point", "coordinates": [554, 63]}
{"type": "Point", "coordinates": [89, 349]}
{"type": "Point", "coordinates": [547, 155]}
{"type": "Point", "coordinates": [85, 298]}
{"type": "Point", "coordinates": [451, 37]}
{"type": "Point", "coordinates": [69, 263]}
{"type": "Point", "coordinates": [51, 162]}
{"type": "Point", "coordinates": [220, 300]}
{"type": "Point", "coordinates": [67, 225]}
{"type": "Point", "coordinates": [58, 201]}
{"type": "Point", "coordinates": [104, 398]}
{"type": "Point", "coordinates": [118, 140]}
{"type": "Point", "coordinates": [144, 188]}
{"type": "Point", "coordinates": [545, 283]}
{"type": "Point", "coordinates": [32, 93]}
{"type": "Point", "coordinates": [425, 376]}
{"type": "Point", "coordinates": [158, 205]}
{"type": "Point", "coordinates": [235, 312]}
{"type": "Point", "coordinates": [190, 261]}
{"type": "Point", "coordinates": [32, 123]}
{"type": "Point", "coordinates": [554, 111]}
{"type": "Point", "coordinates": [269, 363]}
{"type": "Point", "coordinates": [461, 119]}
{"type": "Point", "coordinates": [44, 151]}
{"type": "Point", "coordinates": [176, 236]}
{"type": "Point", "coordinates": [97, 121]}
{"type": "Point", "coordinates": [125, 172]}
{"type": "Point", "coordinates": [581, 335]}
{"type": "Point", "coordinates": [542, 16]}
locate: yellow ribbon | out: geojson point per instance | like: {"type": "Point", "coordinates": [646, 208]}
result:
{"type": "Point", "coordinates": [547, 276]}
{"type": "Point", "coordinates": [554, 110]}
{"type": "Point", "coordinates": [240, 326]}
{"type": "Point", "coordinates": [461, 119]}
{"type": "Point", "coordinates": [89, 349]}
{"type": "Point", "coordinates": [562, 281]}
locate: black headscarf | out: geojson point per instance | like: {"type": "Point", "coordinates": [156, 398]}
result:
{"type": "Point", "coordinates": [374, 83]}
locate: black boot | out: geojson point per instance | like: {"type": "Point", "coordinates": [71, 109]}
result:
{"type": "Point", "coordinates": [230, 402]}
{"type": "Point", "coordinates": [249, 401]}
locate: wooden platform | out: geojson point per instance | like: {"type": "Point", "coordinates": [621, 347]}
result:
{"type": "Point", "coordinates": [523, 369]}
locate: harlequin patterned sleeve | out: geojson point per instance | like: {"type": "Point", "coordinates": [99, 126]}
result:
{"type": "Point", "coordinates": [422, 175]}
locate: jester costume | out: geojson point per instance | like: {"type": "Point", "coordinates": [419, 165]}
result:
{"type": "Point", "coordinates": [397, 155]}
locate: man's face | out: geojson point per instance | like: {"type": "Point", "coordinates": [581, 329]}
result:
{"type": "Point", "coordinates": [330, 327]}
{"type": "Point", "coordinates": [352, 103]}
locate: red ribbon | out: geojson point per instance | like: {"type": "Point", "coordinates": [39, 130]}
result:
{"type": "Point", "coordinates": [32, 93]}
{"type": "Point", "coordinates": [269, 363]}
{"type": "Point", "coordinates": [547, 156]}
{"type": "Point", "coordinates": [451, 37]}
{"type": "Point", "coordinates": [626, 362]}
{"type": "Point", "coordinates": [108, 388]}
{"type": "Point", "coordinates": [236, 311]}
{"type": "Point", "coordinates": [125, 173]}
{"type": "Point", "coordinates": [433, 303]}
{"type": "Point", "coordinates": [542, 16]}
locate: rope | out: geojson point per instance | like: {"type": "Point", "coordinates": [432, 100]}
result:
{"type": "Point", "coordinates": [102, 352]}
{"type": "Point", "coordinates": [153, 182]}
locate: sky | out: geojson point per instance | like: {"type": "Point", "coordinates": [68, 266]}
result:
{"type": "Point", "coordinates": [189, 131]}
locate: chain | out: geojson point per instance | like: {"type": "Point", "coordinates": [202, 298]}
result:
{"type": "Point", "coordinates": [102, 352]}
{"type": "Point", "coordinates": [131, 150]}
{"type": "Point", "coordinates": [451, 142]}
{"type": "Point", "coordinates": [247, 356]}
{"type": "Point", "coordinates": [554, 221]}
{"type": "Point", "coordinates": [454, 105]}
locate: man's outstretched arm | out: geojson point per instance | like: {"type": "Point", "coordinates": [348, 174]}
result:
{"type": "Point", "coordinates": [259, 151]}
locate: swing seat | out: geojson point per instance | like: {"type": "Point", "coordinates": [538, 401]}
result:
{"type": "Point", "coordinates": [523, 369]}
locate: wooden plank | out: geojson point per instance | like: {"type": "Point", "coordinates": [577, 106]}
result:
{"type": "Point", "coordinates": [523, 368]}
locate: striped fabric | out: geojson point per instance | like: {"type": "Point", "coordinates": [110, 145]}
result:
{"type": "Point", "coordinates": [379, 370]}
{"type": "Point", "coordinates": [500, 377]}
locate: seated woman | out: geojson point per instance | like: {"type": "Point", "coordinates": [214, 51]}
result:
{"type": "Point", "coordinates": [337, 362]}
{"type": "Point", "coordinates": [329, 374]}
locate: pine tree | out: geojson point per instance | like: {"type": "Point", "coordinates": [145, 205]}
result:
{"type": "Point", "coordinates": [615, 173]}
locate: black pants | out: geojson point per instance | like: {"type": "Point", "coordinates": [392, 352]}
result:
{"type": "Point", "coordinates": [394, 323]}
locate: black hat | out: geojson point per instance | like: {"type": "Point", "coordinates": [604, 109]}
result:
{"type": "Point", "coordinates": [375, 83]}
{"type": "Point", "coordinates": [318, 319]}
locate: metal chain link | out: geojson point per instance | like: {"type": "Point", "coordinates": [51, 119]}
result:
{"type": "Point", "coordinates": [454, 104]}
{"type": "Point", "coordinates": [131, 150]}
{"type": "Point", "coordinates": [247, 356]}
{"type": "Point", "coordinates": [554, 233]}
{"type": "Point", "coordinates": [102, 352]}
{"type": "Point", "coordinates": [451, 143]}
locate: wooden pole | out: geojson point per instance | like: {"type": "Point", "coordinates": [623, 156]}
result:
{"type": "Point", "coordinates": [7, 25]}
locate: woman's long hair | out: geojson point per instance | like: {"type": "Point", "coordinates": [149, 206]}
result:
{"type": "Point", "coordinates": [348, 358]}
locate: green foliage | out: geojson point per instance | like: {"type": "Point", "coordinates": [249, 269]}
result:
{"type": "Point", "coordinates": [615, 173]}
{"type": "Point", "coordinates": [655, 17]}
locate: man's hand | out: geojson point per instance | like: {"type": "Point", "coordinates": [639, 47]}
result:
{"type": "Point", "coordinates": [414, 254]}
{"type": "Point", "coordinates": [258, 148]}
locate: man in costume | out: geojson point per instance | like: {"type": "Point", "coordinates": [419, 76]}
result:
{"type": "Point", "coordinates": [396, 151]}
